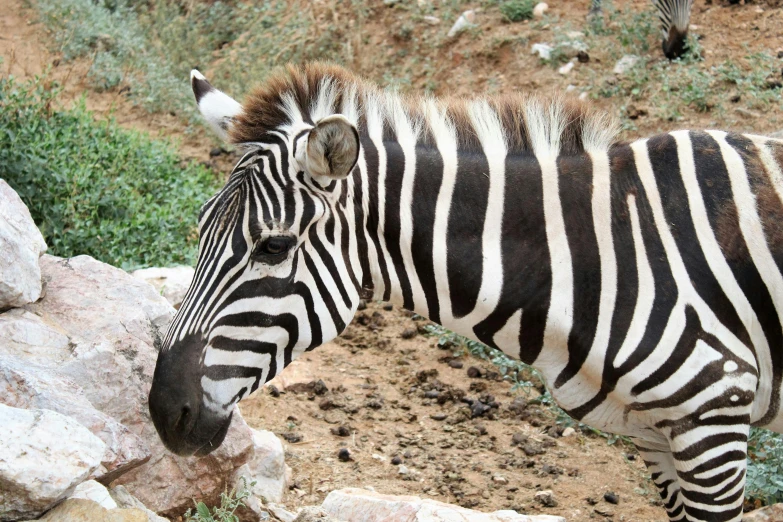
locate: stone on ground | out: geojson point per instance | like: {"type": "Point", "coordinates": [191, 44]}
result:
{"type": "Point", "coordinates": [369, 506]}
{"type": "Point", "coordinates": [43, 456]}
{"type": "Point", "coordinates": [172, 282]}
{"type": "Point", "coordinates": [125, 500]}
{"type": "Point", "coordinates": [315, 514]}
{"type": "Point", "coordinates": [266, 468]}
{"type": "Point", "coordinates": [21, 244]}
{"type": "Point", "coordinates": [83, 510]}
{"type": "Point", "coordinates": [95, 491]}
{"type": "Point", "coordinates": [773, 513]}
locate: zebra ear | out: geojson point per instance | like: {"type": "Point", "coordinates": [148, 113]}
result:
{"type": "Point", "coordinates": [218, 108]}
{"type": "Point", "coordinates": [332, 148]}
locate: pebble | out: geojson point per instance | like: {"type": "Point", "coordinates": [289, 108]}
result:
{"type": "Point", "coordinates": [396, 460]}
{"type": "Point", "coordinates": [464, 21]}
{"type": "Point", "coordinates": [583, 96]}
{"type": "Point", "coordinates": [474, 372]}
{"type": "Point", "coordinates": [293, 438]}
{"type": "Point", "coordinates": [568, 432]}
{"type": "Point", "coordinates": [518, 438]}
{"type": "Point", "coordinates": [499, 479]}
{"type": "Point", "coordinates": [273, 391]}
{"type": "Point", "coordinates": [543, 50]}
{"type": "Point", "coordinates": [438, 416]}
{"type": "Point", "coordinates": [454, 363]}
{"type": "Point", "coordinates": [565, 69]}
{"type": "Point", "coordinates": [217, 151]}
{"type": "Point", "coordinates": [432, 20]}
{"type": "Point", "coordinates": [341, 431]}
{"type": "Point", "coordinates": [611, 497]}
{"type": "Point", "coordinates": [540, 9]}
{"type": "Point", "coordinates": [604, 512]}
{"type": "Point", "coordinates": [403, 469]}
{"type": "Point", "coordinates": [546, 498]}
{"type": "Point", "coordinates": [344, 455]}
{"type": "Point", "coordinates": [409, 333]}
{"type": "Point", "coordinates": [625, 64]}
{"type": "Point", "coordinates": [583, 57]}
{"type": "Point", "coordinates": [388, 307]}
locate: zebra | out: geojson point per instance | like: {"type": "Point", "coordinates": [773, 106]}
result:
{"type": "Point", "coordinates": [642, 279]}
{"type": "Point", "coordinates": [674, 16]}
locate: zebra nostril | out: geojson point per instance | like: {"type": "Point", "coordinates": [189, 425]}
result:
{"type": "Point", "coordinates": [183, 420]}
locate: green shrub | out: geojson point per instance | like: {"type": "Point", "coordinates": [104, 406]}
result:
{"type": "Point", "coordinates": [95, 188]}
{"type": "Point", "coordinates": [229, 503]}
{"type": "Point", "coordinates": [517, 10]}
{"type": "Point", "coordinates": [765, 467]}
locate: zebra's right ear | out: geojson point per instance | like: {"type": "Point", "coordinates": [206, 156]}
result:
{"type": "Point", "coordinates": [217, 107]}
{"type": "Point", "coordinates": [332, 148]}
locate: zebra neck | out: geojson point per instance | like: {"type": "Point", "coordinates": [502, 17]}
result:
{"type": "Point", "coordinates": [467, 241]}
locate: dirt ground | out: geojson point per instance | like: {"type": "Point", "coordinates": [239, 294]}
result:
{"type": "Point", "coordinates": [413, 420]}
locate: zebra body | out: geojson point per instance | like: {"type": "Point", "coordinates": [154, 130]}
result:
{"type": "Point", "coordinates": [674, 16]}
{"type": "Point", "coordinates": [642, 279]}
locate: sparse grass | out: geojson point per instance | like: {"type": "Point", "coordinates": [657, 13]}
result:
{"type": "Point", "coordinates": [229, 502]}
{"type": "Point", "coordinates": [517, 10]}
{"type": "Point", "coordinates": [95, 188]}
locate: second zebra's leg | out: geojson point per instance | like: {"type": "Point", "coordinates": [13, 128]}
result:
{"type": "Point", "coordinates": [660, 463]}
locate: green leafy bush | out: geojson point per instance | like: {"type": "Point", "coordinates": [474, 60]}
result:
{"type": "Point", "coordinates": [517, 10]}
{"type": "Point", "coordinates": [765, 467]}
{"type": "Point", "coordinates": [95, 188]}
{"type": "Point", "coordinates": [229, 503]}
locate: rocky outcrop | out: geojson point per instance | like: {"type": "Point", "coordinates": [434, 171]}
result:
{"type": "Point", "coordinates": [172, 283]}
{"type": "Point", "coordinates": [43, 456]}
{"type": "Point", "coordinates": [266, 468]}
{"type": "Point", "coordinates": [25, 385]}
{"type": "Point", "coordinates": [369, 506]}
{"type": "Point", "coordinates": [96, 332]}
{"type": "Point", "coordinates": [21, 244]}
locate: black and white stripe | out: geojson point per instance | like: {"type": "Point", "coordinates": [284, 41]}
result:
{"type": "Point", "coordinates": [674, 16]}
{"type": "Point", "coordinates": [642, 279]}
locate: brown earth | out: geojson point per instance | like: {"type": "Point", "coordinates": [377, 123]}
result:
{"type": "Point", "coordinates": [390, 397]}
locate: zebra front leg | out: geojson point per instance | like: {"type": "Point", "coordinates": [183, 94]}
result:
{"type": "Point", "coordinates": [660, 463]}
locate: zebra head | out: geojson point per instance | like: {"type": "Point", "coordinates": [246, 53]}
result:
{"type": "Point", "coordinates": [272, 278]}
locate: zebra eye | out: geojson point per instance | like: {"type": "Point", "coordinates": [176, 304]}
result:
{"type": "Point", "coordinates": [273, 246]}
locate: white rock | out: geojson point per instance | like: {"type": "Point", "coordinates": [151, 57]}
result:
{"type": "Point", "coordinates": [83, 510]}
{"type": "Point", "coordinates": [540, 9]}
{"type": "Point", "coordinates": [21, 244]}
{"type": "Point", "coordinates": [432, 20]}
{"type": "Point", "coordinates": [172, 283]}
{"type": "Point", "coordinates": [565, 69]}
{"type": "Point", "coordinates": [281, 512]}
{"type": "Point", "coordinates": [95, 491]}
{"type": "Point", "coordinates": [464, 21]}
{"type": "Point", "coordinates": [367, 506]}
{"type": "Point", "coordinates": [100, 326]}
{"type": "Point", "coordinates": [544, 51]}
{"type": "Point", "coordinates": [266, 467]}
{"type": "Point", "coordinates": [499, 479]}
{"type": "Point", "coordinates": [43, 456]}
{"type": "Point", "coordinates": [625, 64]}
{"type": "Point", "coordinates": [26, 385]}
{"type": "Point", "coordinates": [773, 513]}
{"type": "Point", "coordinates": [125, 500]}
{"type": "Point", "coordinates": [402, 469]}
{"type": "Point", "coordinates": [583, 96]}
{"type": "Point", "coordinates": [568, 432]}
{"type": "Point", "coordinates": [546, 498]}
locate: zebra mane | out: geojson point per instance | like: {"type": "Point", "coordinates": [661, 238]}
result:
{"type": "Point", "coordinates": [530, 124]}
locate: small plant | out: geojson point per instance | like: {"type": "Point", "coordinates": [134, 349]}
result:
{"type": "Point", "coordinates": [765, 467]}
{"type": "Point", "coordinates": [517, 10]}
{"type": "Point", "coordinates": [229, 503]}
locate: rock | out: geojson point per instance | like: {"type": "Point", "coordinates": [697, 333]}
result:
{"type": "Point", "coordinates": [568, 432]}
{"type": "Point", "coordinates": [368, 506]}
{"type": "Point", "coordinates": [21, 244]}
{"type": "Point", "coordinates": [25, 385]}
{"type": "Point", "coordinates": [83, 510]}
{"type": "Point", "coordinates": [396, 460]}
{"type": "Point", "coordinates": [604, 512]}
{"type": "Point", "coordinates": [126, 500]}
{"type": "Point", "coordinates": [344, 455]}
{"type": "Point", "coordinates": [540, 9]}
{"type": "Point", "coordinates": [403, 469]}
{"type": "Point", "coordinates": [95, 491]}
{"type": "Point", "coordinates": [748, 114]}
{"type": "Point", "coordinates": [266, 468]}
{"type": "Point", "coordinates": [298, 372]}
{"type": "Point", "coordinates": [172, 283]}
{"type": "Point", "coordinates": [314, 514]}
{"type": "Point", "coordinates": [474, 372]}
{"type": "Point", "coordinates": [499, 479]}
{"type": "Point", "coordinates": [432, 20]}
{"type": "Point", "coordinates": [543, 50]}
{"type": "Point", "coordinates": [773, 513]}
{"type": "Point", "coordinates": [281, 512]}
{"type": "Point", "coordinates": [99, 326]}
{"type": "Point", "coordinates": [455, 363]}
{"type": "Point", "coordinates": [625, 64]}
{"type": "Point", "coordinates": [409, 333]}
{"type": "Point", "coordinates": [583, 57]}
{"type": "Point", "coordinates": [565, 69]}
{"type": "Point", "coordinates": [611, 497]}
{"type": "Point", "coordinates": [43, 456]}
{"type": "Point", "coordinates": [546, 498]}
{"type": "Point", "coordinates": [583, 96]}
{"type": "Point", "coordinates": [464, 21]}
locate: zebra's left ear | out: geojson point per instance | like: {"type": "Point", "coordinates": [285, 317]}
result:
{"type": "Point", "coordinates": [217, 107]}
{"type": "Point", "coordinates": [332, 148]}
